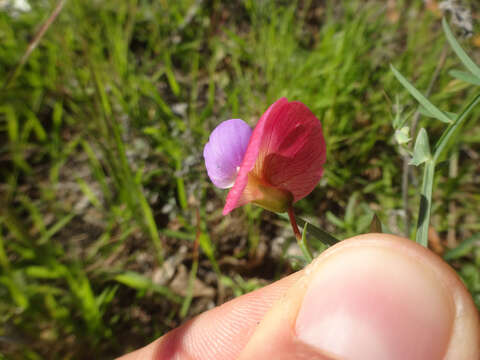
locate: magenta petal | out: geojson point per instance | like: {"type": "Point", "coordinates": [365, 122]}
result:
{"type": "Point", "coordinates": [225, 150]}
{"type": "Point", "coordinates": [236, 196]}
{"type": "Point", "coordinates": [296, 151]}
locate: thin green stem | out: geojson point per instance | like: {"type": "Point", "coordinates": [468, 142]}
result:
{"type": "Point", "coordinates": [443, 143]}
{"type": "Point", "coordinates": [425, 203]}
{"type": "Point", "coordinates": [429, 172]}
{"type": "Point", "coordinates": [187, 301]}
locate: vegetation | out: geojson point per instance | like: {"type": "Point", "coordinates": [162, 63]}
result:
{"type": "Point", "coordinates": [110, 232]}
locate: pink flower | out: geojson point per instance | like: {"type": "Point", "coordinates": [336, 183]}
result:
{"type": "Point", "coordinates": [281, 164]}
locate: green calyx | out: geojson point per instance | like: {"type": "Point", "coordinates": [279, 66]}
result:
{"type": "Point", "coordinates": [269, 197]}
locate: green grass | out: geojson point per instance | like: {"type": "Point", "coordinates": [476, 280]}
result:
{"type": "Point", "coordinates": [103, 192]}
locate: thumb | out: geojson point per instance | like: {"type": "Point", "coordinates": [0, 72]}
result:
{"type": "Point", "coordinates": [375, 296]}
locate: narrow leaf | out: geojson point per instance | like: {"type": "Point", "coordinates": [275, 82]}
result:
{"type": "Point", "coordinates": [187, 301]}
{"type": "Point", "coordinates": [59, 225]}
{"type": "Point", "coordinates": [462, 55]}
{"type": "Point", "coordinates": [421, 151]}
{"type": "Point", "coordinates": [172, 81]}
{"type": "Point", "coordinates": [43, 272]}
{"type": "Point", "coordinates": [314, 231]}
{"type": "Point", "coordinates": [464, 249]}
{"type": "Point", "coordinates": [465, 76]}
{"type": "Point", "coordinates": [426, 113]}
{"type": "Point", "coordinates": [17, 294]}
{"type": "Point", "coordinates": [207, 246]}
{"type": "Point", "coordinates": [140, 282]}
{"type": "Point", "coordinates": [432, 109]}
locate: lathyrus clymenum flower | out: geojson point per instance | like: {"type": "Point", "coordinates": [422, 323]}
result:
{"type": "Point", "coordinates": [273, 166]}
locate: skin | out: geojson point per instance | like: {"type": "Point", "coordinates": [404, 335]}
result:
{"type": "Point", "coordinates": [374, 296]}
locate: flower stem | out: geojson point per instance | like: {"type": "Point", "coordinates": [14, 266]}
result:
{"type": "Point", "coordinates": [302, 242]}
{"type": "Point", "coordinates": [291, 216]}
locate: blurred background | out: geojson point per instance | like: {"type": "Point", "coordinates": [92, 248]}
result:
{"type": "Point", "coordinates": [111, 233]}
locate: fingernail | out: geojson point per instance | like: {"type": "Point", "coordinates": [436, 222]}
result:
{"type": "Point", "coordinates": [374, 303]}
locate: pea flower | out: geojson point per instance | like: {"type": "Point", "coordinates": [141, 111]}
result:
{"type": "Point", "coordinates": [273, 166]}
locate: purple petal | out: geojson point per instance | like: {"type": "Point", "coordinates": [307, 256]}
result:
{"type": "Point", "coordinates": [225, 150]}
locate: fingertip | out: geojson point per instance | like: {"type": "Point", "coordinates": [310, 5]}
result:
{"type": "Point", "coordinates": [375, 296]}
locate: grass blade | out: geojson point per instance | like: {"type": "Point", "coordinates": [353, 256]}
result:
{"type": "Point", "coordinates": [465, 76]}
{"type": "Point", "coordinates": [142, 283]}
{"type": "Point", "coordinates": [189, 296]}
{"type": "Point", "coordinates": [56, 228]}
{"type": "Point", "coordinates": [432, 109]}
{"type": "Point", "coordinates": [208, 248]}
{"type": "Point", "coordinates": [464, 249]}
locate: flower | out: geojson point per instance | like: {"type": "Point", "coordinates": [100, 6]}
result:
{"type": "Point", "coordinates": [279, 164]}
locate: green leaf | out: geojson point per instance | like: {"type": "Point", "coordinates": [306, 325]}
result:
{"type": "Point", "coordinates": [432, 109]}
{"type": "Point", "coordinates": [106, 296]}
{"type": "Point", "coordinates": [42, 272]}
{"type": "Point", "coordinates": [151, 225]}
{"type": "Point", "coordinates": [33, 123]}
{"type": "Point", "coordinates": [465, 76]}
{"type": "Point", "coordinates": [89, 193]}
{"type": "Point", "coordinates": [464, 249]}
{"type": "Point", "coordinates": [140, 282]}
{"type": "Point", "coordinates": [191, 282]}
{"type": "Point", "coordinates": [335, 220]}
{"type": "Point", "coordinates": [134, 280]}
{"type": "Point", "coordinates": [421, 151]}
{"type": "Point", "coordinates": [462, 55]}
{"type": "Point", "coordinates": [59, 225]}
{"type": "Point", "coordinates": [172, 81]}
{"type": "Point", "coordinates": [314, 231]}
{"type": "Point", "coordinates": [12, 122]}
{"type": "Point", "coordinates": [425, 112]}
{"type": "Point", "coordinates": [18, 296]}
{"type": "Point", "coordinates": [207, 246]}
